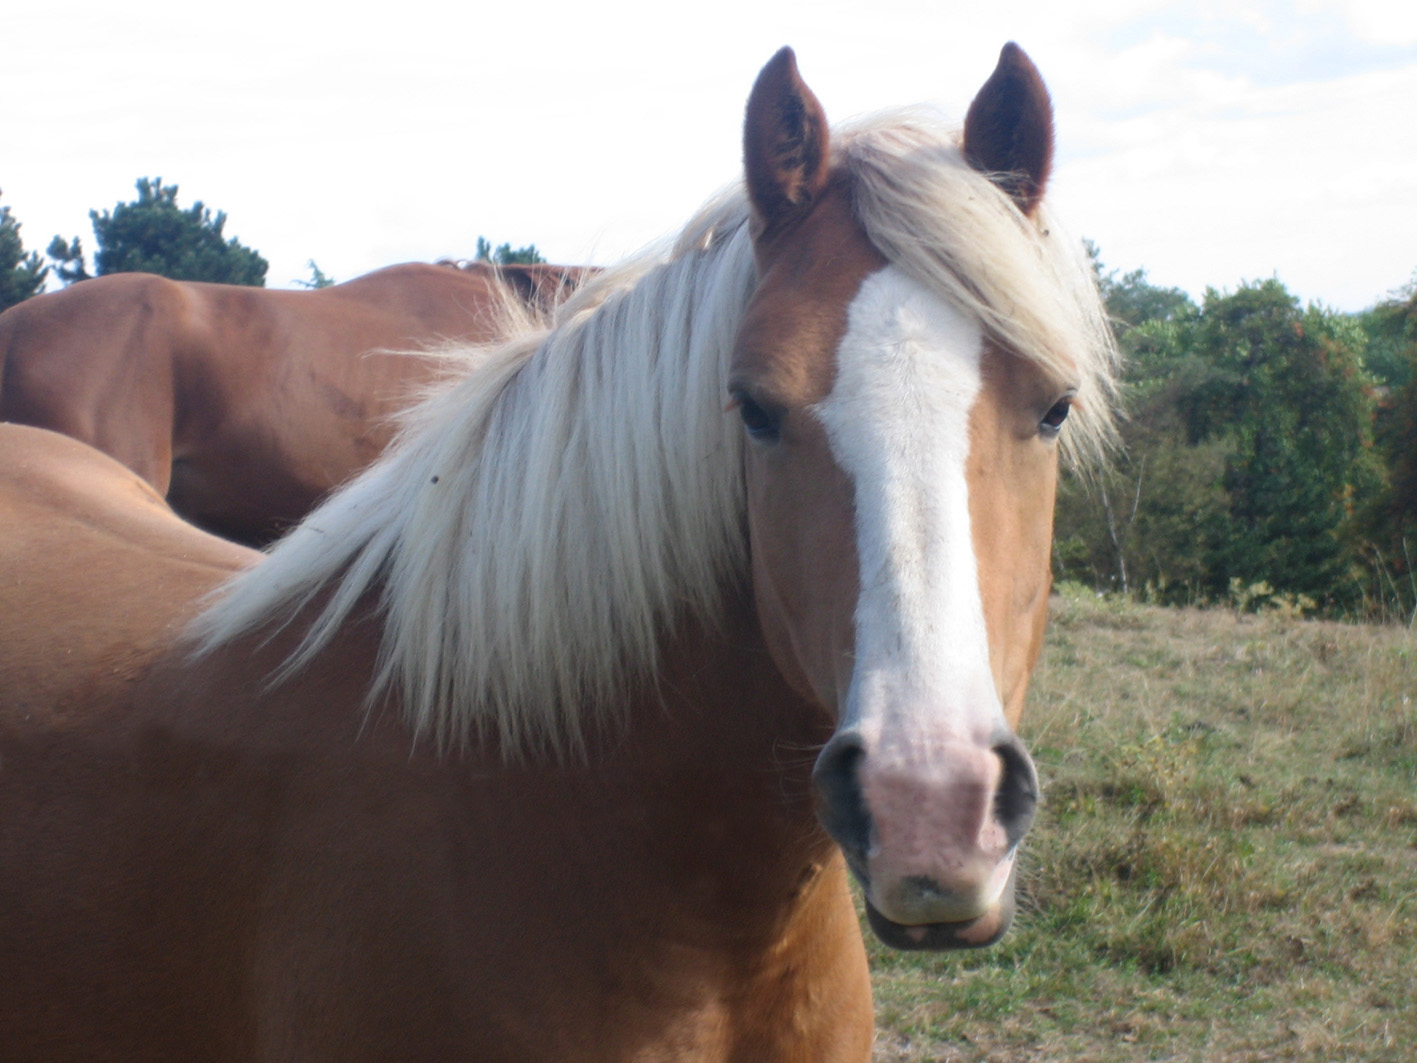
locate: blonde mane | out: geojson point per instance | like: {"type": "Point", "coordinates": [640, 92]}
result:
{"type": "Point", "coordinates": [540, 522]}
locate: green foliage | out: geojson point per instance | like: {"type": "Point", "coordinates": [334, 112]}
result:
{"type": "Point", "coordinates": [1133, 301]}
{"type": "Point", "coordinates": [1391, 327]}
{"type": "Point", "coordinates": [68, 259]}
{"type": "Point", "coordinates": [1292, 398]}
{"type": "Point", "coordinates": [154, 235]}
{"type": "Point", "coordinates": [1250, 456]}
{"type": "Point", "coordinates": [21, 274]}
{"type": "Point", "coordinates": [318, 278]}
{"type": "Point", "coordinates": [504, 255]}
{"type": "Point", "coordinates": [1391, 518]}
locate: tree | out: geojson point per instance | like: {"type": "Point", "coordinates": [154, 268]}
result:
{"type": "Point", "coordinates": [1295, 402]}
{"type": "Point", "coordinates": [1112, 526]}
{"type": "Point", "coordinates": [21, 274]}
{"type": "Point", "coordinates": [1392, 517]}
{"type": "Point", "coordinates": [1391, 326]}
{"type": "Point", "coordinates": [154, 235]}
{"type": "Point", "coordinates": [1249, 455]}
{"type": "Point", "coordinates": [503, 255]}
{"type": "Point", "coordinates": [1150, 520]}
{"type": "Point", "coordinates": [318, 278]}
{"type": "Point", "coordinates": [68, 259]}
{"type": "Point", "coordinates": [1133, 301]}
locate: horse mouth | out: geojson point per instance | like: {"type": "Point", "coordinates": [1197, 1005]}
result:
{"type": "Point", "coordinates": [976, 933]}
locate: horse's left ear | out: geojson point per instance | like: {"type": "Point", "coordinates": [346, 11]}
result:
{"type": "Point", "coordinates": [784, 145]}
{"type": "Point", "coordinates": [1008, 133]}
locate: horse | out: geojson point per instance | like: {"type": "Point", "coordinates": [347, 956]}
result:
{"type": "Point", "coordinates": [560, 732]}
{"type": "Point", "coordinates": [245, 406]}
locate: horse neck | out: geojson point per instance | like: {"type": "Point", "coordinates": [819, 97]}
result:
{"type": "Point", "coordinates": [723, 748]}
{"type": "Point", "coordinates": [703, 780]}
{"type": "Point", "coordinates": [710, 876]}
{"type": "Point", "coordinates": [715, 730]}
{"type": "Point", "coordinates": [686, 830]}
{"type": "Point", "coordinates": [718, 705]}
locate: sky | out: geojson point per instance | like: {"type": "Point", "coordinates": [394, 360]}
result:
{"type": "Point", "coordinates": [1208, 143]}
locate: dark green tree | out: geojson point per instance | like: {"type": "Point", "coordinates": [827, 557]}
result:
{"type": "Point", "coordinates": [1292, 398]}
{"type": "Point", "coordinates": [1392, 517]}
{"type": "Point", "coordinates": [153, 234]}
{"type": "Point", "coordinates": [504, 255]}
{"type": "Point", "coordinates": [1149, 520]}
{"type": "Point", "coordinates": [1133, 301]}
{"type": "Point", "coordinates": [68, 259]}
{"type": "Point", "coordinates": [1111, 526]}
{"type": "Point", "coordinates": [21, 273]}
{"type": "Point", "coordinates": [1249, 456]}
{"type": "Point", "coordinates": [318, 278]}
{"type": "Point", "coordinates": [1391, 326]}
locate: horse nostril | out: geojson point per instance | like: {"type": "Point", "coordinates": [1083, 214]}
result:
{"type": "Point", "coordinates": [843, 810]}
{"type": "Point", "coordinates": [1016, 798]}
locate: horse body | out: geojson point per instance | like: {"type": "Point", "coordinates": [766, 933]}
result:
{"type": "Point", "coordinates": [245, 406]}
{"type": "Point", "coordinates": [554, 734]}
{"type": "Point", "coordinates": [269, 892]}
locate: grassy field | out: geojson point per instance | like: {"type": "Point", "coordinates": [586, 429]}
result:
{"type": "Point", "coordinates": [1225, 865]}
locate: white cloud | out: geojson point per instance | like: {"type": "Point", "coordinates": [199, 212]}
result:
{"type": "Point", "coordinates": [1206, 144]}
{"type": "Point", "coordinates": [1384, 22]}
{"type": "Point", "coordinates": [1308, 182]}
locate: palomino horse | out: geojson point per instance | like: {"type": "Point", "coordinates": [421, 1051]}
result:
{"type": "Point", "coordinates": [246, 406]}
{"type": "Point", "coordinates": [545, 737]}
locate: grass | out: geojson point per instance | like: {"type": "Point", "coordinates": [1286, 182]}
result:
{"type": "Point", "coordinates": [1225, 865]}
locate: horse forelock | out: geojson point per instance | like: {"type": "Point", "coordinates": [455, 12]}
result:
{"type": "Point", "coordinates": [540, 522]}
{"type": "Point", "coordinates": [1029, 284]}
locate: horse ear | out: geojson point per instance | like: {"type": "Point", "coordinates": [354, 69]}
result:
{"type": "Point", "coordinates": [1008, 133]}
{"type": "Point", "coordinates": [784, 144]}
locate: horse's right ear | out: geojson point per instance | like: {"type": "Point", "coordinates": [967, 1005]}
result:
{"type": "Point", "coordinates": [784, 145]}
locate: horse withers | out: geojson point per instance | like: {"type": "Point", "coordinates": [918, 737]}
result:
{"type": "Point", "coordinates": [246, 406]}
{"type": "Point", "coordinates": [557, 733]}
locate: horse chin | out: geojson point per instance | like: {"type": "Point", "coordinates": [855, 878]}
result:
{"type": "Point", "coordinates": [973, 933]}
{"type": "Point", "coordinates": [976, 933]}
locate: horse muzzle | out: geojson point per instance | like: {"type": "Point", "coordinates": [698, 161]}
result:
{"type": "Point", "coordinates": [931, 830]}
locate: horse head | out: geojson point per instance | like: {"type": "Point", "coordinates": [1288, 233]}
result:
{"type": "Point", "coordinates": [901, 463]}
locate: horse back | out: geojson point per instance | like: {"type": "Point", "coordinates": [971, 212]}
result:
{"type": "Point", "coordinates": [291, 392]}
{"type": "Point", "coordinates": [100, 573]}
{"type": "Point", "coordinates": [244, 406]}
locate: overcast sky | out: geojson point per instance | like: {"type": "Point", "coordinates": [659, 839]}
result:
{"type": "Point", "coordinates": [1209, 143]}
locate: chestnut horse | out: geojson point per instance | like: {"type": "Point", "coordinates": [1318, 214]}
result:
{"type": "Point", "coordinates": [246, 406]}
{"type": "Point", "coordinates": [557, 733]}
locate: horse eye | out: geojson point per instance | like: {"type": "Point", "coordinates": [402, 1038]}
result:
{"type": "Point", "coordinates": [1053, 420]}
{"type": "Point", "coordinates": [760, 423]}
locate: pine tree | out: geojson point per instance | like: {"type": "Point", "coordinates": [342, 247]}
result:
{"type": "Point", "coordinates": [21, 275]}
{"type": "Point", "coordinates": [154, 235]}
{"type": "Point", "coordinates": [505, 255]}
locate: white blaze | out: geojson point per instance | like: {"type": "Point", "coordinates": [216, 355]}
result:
{"type": "Point", "coordinates": [897, 418]}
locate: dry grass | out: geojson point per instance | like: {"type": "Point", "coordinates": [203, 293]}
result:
{"type": "Point", "coordinates": [1226, 864]}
